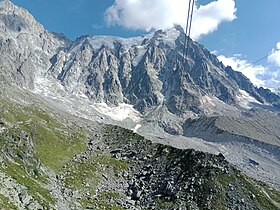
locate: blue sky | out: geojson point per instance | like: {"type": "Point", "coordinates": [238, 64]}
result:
{"type": "Point", "coordinates": [243, 35]}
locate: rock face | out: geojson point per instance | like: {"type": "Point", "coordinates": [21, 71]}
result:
{"type": "Point", "coordinates": [147, 72]}
{"type": "Point", "coordinates": [150, 71]}
{"type": "Point", "coordinates": [25, 46]}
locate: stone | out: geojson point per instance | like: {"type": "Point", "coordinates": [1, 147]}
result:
{"type": "Point", "coordinates": [252, 196]}
{"type": "Point", "coordinates": [130, 202]}
{"type": "Point", "coordinates": [24, 197]}
{"type": "Point", "coordinates": [2, 122]}
{"type": "Point", "coordinates": [33, 206]}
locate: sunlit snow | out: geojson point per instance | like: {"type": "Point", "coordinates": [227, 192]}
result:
{"type": "Point", "coordinates": [171, 36]}
{"type": "Point", "coordinates": [118, 113]}
{"type": "Point", "coordinates": [136, 128]}
{"type": "Point", "coordinates": [245, 99]}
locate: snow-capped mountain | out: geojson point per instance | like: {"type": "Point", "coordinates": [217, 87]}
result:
{"type": "Point", "coordinates": [150, 71]}
{"type": "Point", "coordinates": [145, 72]}
{"type": "Point", "coordinates": [146, 82]}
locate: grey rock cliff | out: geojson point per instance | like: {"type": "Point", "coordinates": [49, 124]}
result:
{"type": "Point", "coordinates": [147, 71]}
{"type": "Point", "coordinates": [25, 45]}
{"type": "Point", "coordinates": [150, 71]}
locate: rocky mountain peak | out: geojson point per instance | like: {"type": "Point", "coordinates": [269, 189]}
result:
{"type": "Point", "coordinates": [179, 28]}
{"type": "Point", "coordinates": [151, 71]}
{"type": "Point", "coordinates": [7, 5]}
{"type": "Point", "coordinates": [147, 71]}
{"type": "Point", "coordinates": [25, 46]}
{"type": "Point", "coordinates": [15, 19]}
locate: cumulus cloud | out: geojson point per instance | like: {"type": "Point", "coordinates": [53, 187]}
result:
{"type": "Point", "coordinates": [253, 72]}
{"type": "Point", "coordinates": [207, 18]}
{"type": "Point", "coordinates": [163, 14]}
{"type": "Point", "coordinates": [274, 73]}
{"type": "Point", "coordinates": [267, 76]}
{"type": "Point", "coordinates": [274, 56]}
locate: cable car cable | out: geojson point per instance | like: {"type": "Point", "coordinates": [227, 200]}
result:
{"type": "Point", "coordinates": [188, 29]}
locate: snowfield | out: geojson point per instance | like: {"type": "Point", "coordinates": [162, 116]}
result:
{"type": "Point", "coordinates": [118, 113]}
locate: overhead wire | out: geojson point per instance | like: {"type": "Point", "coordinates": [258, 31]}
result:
{"type": "Point", "coordinates": [187, 40]}
{"type": "Point", "coordinates": [188, 29]}
{"type": "Point", "coordinates": [187, 26]}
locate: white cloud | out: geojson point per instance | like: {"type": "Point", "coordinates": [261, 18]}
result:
{"type": "Point", "coordinates": [266, 76]}
{"type": "Point", "coordinates": [252, 72]}
{"type": "Point", "coordinates": [163, 14]}
{"type": "Point", "coordinates": [274, 69]}
{"type": "Point", "coordinates": [274, 57]}
{"type": "Point", "coordinates": [208, 17]}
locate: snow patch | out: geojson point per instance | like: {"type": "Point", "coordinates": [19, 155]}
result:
{"type": "Point", "coordinates": [136, 128]}
{"type": "Point", "coordinates": [96, 42]}
{"type": "Point", "coordinates": [78, 103]}
{"type": "Point", "coordinates": [245, 100]}
{"type": "Point", "coordinates": [141, 52]}
{"type": "Point", "coordinates": [118, 113]}
{"type": "Point", "coordinates": [171, 37]}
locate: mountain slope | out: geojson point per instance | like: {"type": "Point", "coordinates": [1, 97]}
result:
{"type": "Point", "coordinates": [50, 161]}
{"type": "Point", "coordinates": [144, 71]}
{"type": "Point", "coordinates": [147, 72]}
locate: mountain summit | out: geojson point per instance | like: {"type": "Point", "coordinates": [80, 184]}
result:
{"type": "Point", "coordinates": [150, 71]}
